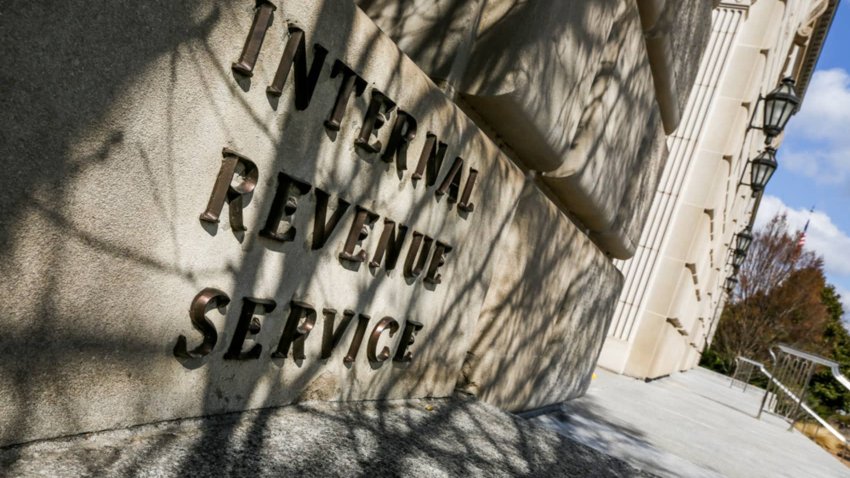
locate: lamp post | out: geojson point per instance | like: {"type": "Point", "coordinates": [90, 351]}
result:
{"type": "Point", "coordinates": [762, 169]}
{"type": "Point", "coordinates": [731, 282]}
{"type": "Point", "coordinates": [738, 258]}
{"type": "Point", "coordinates": [744, 239]}
{"type": "Point", "coordinates": [779, 105]}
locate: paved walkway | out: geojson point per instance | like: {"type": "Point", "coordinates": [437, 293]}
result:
{"type": "Point", "coordinates": [689, 424]}
{"type": "Point", "coordinates": [411, 438]}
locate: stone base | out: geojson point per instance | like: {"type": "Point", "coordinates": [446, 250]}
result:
{"type": "Point", "coordinates": [546, 312]}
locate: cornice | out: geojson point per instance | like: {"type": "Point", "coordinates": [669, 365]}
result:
{"type": "Point", "coordinates": [814, 47]}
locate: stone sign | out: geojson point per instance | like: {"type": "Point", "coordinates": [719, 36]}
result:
{"type": "Point", "coordinates": [283, 208]}
{"type": "Point", "coordinates": [225, 206]}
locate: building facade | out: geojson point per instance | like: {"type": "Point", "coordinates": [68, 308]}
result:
{"type": "Point", "coordinates": [216, 207]}
{"type": "Point", "coordinates": [674, 289]}
{"type": "Point", "coordinates": [562, 88]}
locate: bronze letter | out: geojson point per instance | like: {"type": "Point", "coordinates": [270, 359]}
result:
{"type": "Point", "coordinates": [251, 50]}
{"type": "Point", "coordinates": [412, 267]}
{"type": "Point", "coordinates": [407, 339]}
{"type": "Point", "coordinates": [296, 53]}
{"type": "Point", "coordinates": [451, 183]}
{"type": "Point", "coordinates": [371, 347]}
{"type": "Point", "coordinates": [350, 83]}
{"type": "Point", "coordinates": [379, 108]}
{"type": "Point", "coordinates": [464, 204]}
{"type": "Point", "coordinates": [248, 323]}
{"type": "Point", "coordinates": [322, 230]}
{"type": "Point", "coordinates": [330, 336]}
{"type": "Point", "coordinates": [362, 323]}
{"type": "Point", "coordinates": [197, 313]}
{"type": "Point", "coordinates": [391, 243]}
{"type": "Point", "coordinates": [404, 130]}
{"type": "Point", "coordinates": [295, 334]}
{"type": "Point", "coordinates": [437, 261]}
{"type": "Point", "coordinates": [363, 220]}
{"type": "Point", "coordinates": [224, 189]}
{"type": "Point", "coordinates": [283, 205]}
{"type": "Point", "coordinates": [431, 158]}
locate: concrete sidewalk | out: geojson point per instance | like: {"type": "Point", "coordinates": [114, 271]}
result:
{"type": "Point", "coordinates": [413, 438]}
{"type": "Point", "coordinates": [689, 424]}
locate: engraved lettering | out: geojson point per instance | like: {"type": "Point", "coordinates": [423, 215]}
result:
{"type": "Point", "coordinates": [403, 132]}
{"type": "Point", "coordinates": [295, 331]}
{"type": "Point", "coordinates": [354, 348]}
{"type": "Point", "coordinates": [390, 243]}
{"type": "Point", "coordinates": [322, 227]}
{"type": "Point", "coordinates": [351, 83]}
{"type": "Point", "coordinates": [251, 50]}
{"type": "Point", "coordinates": [248, 324]}
{"type": "Point", "coordinates": [284, 204]}
{"type": "Point", "coordinates": [233, 166]}
{"type": "Point", "coordinates": [371, 347]}
{"type": "Point", "coordinates": [204, 300]}
{"type": "Point", "coordinates": [451, 183]}
{"type": "Point", "coordinates": [464, 204]}
{"type": "Point", "coordinates": [295, 55]}
{"type": "Point", "coordinates": [431, 160]}
{"type": "Point", "coordinates": [331, 337]}
{"type": "Point", "coordinates": [363, 220]}
{"type": "Point", "coordinates": [376, 115]}
{"type": "Point", "coordinates": [300, 322]}
{"type": "Point", "coordinates": [437, 261]}
{"type": "Point", "coordinates": [407, 338]}
{"type": "Point", "coordinates": [412, 266]}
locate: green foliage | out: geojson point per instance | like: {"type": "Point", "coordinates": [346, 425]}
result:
{"type": "Point", "coordinates": [714, 361]}
{"type": "Point", "coordinates": [827, 396]}
{"type": "Point", "coordinates": [782, 297]}
{"type": "Point", "coordinates": [777, 299]}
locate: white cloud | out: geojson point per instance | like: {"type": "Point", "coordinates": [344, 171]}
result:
{"type": "Point", "coordinates": [818, 137]}
{"type": "Point", "coordinates": [829, 164]}
{"type": "Point", "coordinates": [826, 108]}
{"type": "Point", "coordinates": [822, 237]}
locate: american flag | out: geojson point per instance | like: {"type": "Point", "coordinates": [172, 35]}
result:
{"type": "Point", "coordinates": [802, 240]}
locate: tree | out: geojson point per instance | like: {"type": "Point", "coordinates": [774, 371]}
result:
{"type": "Point", "coordinates": [778, 299]}
{"type": "Point", "coordinates": [783, 297]}
{"type": "Point", "coordinates": [827, 395]}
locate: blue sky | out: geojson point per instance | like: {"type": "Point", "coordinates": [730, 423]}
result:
{"type": "Point", "coordinates": [814, 161]}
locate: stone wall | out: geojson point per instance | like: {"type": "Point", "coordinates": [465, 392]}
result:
{"type": "Point", "coordinates": [562, 84]}
{"type": "Point", "coordinates": [675, 285]}
{"type": "Point", "coordinates": [114, 156]}
{"type": "Point", "coordinates": [545, 314]}
{"type": "Point", "coordinates": [195, 223]}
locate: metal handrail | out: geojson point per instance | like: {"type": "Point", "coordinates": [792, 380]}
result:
{"type": "Point", "coordinates": [749, 361]}
{"type": "Point", "coordinates": [810, 357]}
{"type": "Point", "coordinates": [788, 392]}
{"type": "Point", "coordinates": [836, 373]}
